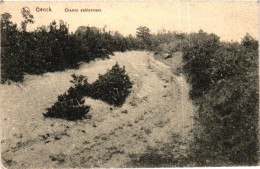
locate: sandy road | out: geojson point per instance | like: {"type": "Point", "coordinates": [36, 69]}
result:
{"type": "Point", "coordinates": [158, 111]}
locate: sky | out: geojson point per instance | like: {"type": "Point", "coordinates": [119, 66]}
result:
{"type": "Point", "coordinates": [229, 20]}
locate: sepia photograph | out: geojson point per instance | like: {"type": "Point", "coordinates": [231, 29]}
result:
{"type": "Point", "coordinates": [120, 84]}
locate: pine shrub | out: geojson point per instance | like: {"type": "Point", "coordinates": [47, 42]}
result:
{"type": "Point", "coordinates": [112, 87]}
{"type": "Point", "coordinates": [70, 105]}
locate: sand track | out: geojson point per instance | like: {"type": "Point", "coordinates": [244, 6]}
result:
{"type": "Point", "coordinates": [158, 108]}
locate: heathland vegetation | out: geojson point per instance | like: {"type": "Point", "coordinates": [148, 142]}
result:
{"type": "Point", "coordinates": [225, 86]}
{"type": "Point", "coordinates": [52, 48]}
{"type": "Point", "coordinates": [223, 77]}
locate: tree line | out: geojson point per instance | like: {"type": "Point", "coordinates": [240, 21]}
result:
{"type": "Point", "coordinates": [52, 48]}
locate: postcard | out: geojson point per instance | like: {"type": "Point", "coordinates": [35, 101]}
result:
{"type": "Point", "coordinates": [120, 84]}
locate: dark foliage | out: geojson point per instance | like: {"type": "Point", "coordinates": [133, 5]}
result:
{"type": "Point", "coordinates": [11, 61]}
{"type": "Point", "coordinates": [53, 48]}
{"type": "Point", "coordinates": [112, 87]}
{"type": "Point", "coordinates": [197, 50]}
{"type": "Point", "coordinates": [70, 105]}
{"type": "Point", "coordinates": [225, 86]}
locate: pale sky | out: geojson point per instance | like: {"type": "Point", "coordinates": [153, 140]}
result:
{"type": "Point", "coordinates": [229, 20]}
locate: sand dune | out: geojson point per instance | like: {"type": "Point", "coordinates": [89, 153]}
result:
{"type": "Point", "coordinates": [157, 112]}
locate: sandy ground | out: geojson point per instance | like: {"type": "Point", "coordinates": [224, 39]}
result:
{"type": "Point", "coordinates": [157, 112]}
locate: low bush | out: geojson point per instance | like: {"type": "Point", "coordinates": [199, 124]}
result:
{"type": "Point", "coordinates": [112, 87]}
{"type": "Point", "coordinates": [70, 105]}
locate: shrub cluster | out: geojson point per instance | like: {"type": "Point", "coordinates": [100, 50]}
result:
{"type": "Point", "coordinates": [52, 48]}
{"type": "Point", "coordinates": [225, 86]}
{"type": "Point", "coordinates": [112, 87]}
{"type": "Point", "coordinates": [162, 42]}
